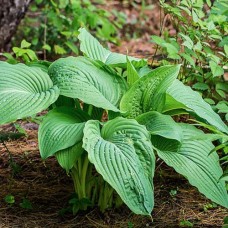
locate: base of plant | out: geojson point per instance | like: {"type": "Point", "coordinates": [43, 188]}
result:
{"type": "Point", "coordinates": [91, 189]}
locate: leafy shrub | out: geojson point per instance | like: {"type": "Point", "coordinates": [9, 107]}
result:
{"type": "Point", "coordinates": [53, 25]}
{"type": "Point", "coordinates": [106, 127]}
{"type": "Point", "coordinates": [200, 44]}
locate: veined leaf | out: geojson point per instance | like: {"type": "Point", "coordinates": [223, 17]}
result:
{"type": "Point", "coordinates": [42, 64]}
{"type": "Point", "coordinates": [61, 128]}
{"type": "Point", "coordinates": [94, 50]}
{"type": "Point", "coordinates": [144, 71]}
{"type": "Point", "coordinates": [24, 91]}
{"type": "Point", "coordinates": [89, 81]}
{"type": "Point", "coordinates": [193, 161]}
{"type": "Point", "coordinates": [159, 124]}
{"type": "Point", "coordinates": [171, 105]}
{"type": "Point", "coordinates": [193, 100]}
{"type": "Point", "coordinates": [216, 69]}
{"type": "Point", "coordinates": [148, 93]}
{"type": "Point", "coordinates": [123, 155]}
{"type": "Point", "coordinates": [140, 137]}
{"type": "Point", "coordinates": [132, 74]}
{"type": "Point", "coordinates": [69, 156]}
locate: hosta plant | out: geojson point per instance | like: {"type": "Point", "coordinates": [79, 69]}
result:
{"type": "Point", "coordinates": [109, 117]}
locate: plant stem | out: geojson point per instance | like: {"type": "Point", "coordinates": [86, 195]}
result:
{"type": "Point", "coordinates": [83, 176]}
{"type": "Point", "coordinates": [76, 180]}
{"type": "Point", "coordinates": [90, 110]}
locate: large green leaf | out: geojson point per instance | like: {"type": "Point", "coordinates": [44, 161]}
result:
{"type": "Point", "coordinates": [171, 105]}
{"type": "Point", "coordinates": [122, 153]}
{"type": "Point", "coordinates": [94, 50]}
{"type": "Point", "coordinates": [61, 128]}
{"type": "Point", "coordinates": [163, 125]}
{"type": "Point", "coordinates": [69, 156]}
{"type": "Point", "coordinates": [140, 137]}
{"type": "Point", "coordinates": [89, 81]}
{"type": "Point", "coordinates": [148, 92]}
{"type": "Point", "coordinates": [194, 101]}
{"type": "Point", "coordinates": [24, 91]}
{"type": "Point", "coordinates": [194, 162]}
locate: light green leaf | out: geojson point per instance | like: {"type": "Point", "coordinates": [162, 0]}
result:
{"type": "Point", "coordinates": [63, 3]}
{"type": "Point", "coordinates": [193, 161]}
{"type": "Point", "coordinates": [226, 49]}
{"type": "Point", "coordinates": [216, 69]}
{"type": "Point", "coordinates": [24, 91]}
{"type": "Point", "coordinates": [171, 105]}
{"type": "Point", "coordinates": [46, 47]}
{"type": "Point", "coordinates": [172, 51]}
{"type": "Point", "coordinates": [67, 157]}
{"type": "Point", "coordinates": [72, 46]}
{"type": "Point", "coordinates": [188, 42]}
{"type": "Point", "coordinates": [198, 46]}
{"type": "Point", "coordinates": [159, 124]}
{"type": "Point", "coordinates": [193, 100]}
{"type": "Point", "coordinates": [201, 86]}
{"type": "Point", "coordinates": [132, 74]}
{"type": "Point", "coordinates": [224, 178]}
{"type": "Point", "coordinates": [89, 81]}
{"type": "Point", "coordinates": [94, 50]}
{"type": "Point", "coordinates": [158, 40]}
{"type": "Point", "coordinates": [188, 58]}
{"type": "Point", "coordinates": [208, 2]}
{"type": "Point", "coordinates": [31, 54]}
{"type": "Point", "coordinates": [62, 128]}
{"type": "Point", "coordinates": [59, 50]}
{"type": "Point", "coordinates": [148, 93]}
{"type": "Point", "coordinates": [123, 155]}
{"type": "Point", "coordinates": [144, 71]}
{"type": "Point", "coordinates": [25, 44]}
{"type": "Point", "coordinates": [42, 64]}
{"type": "Point", "coordinates": [10, 58]}
{"type": "Point", "coordinates": [195, 16]}
{"type": "Point", "coordinates": [211, 26]}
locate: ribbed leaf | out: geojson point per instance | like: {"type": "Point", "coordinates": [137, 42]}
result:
{"type": "Point", "coordinates": [42, 64]}
{"type": "Point", "coordinates": [123, 155]}
{"type": "Point", "coordinates": [132, 74]}
{"type": "Point", "coordinates": [69, 156]}
{"type": "Point", "coordinates": [144, 71]}
{"type": "Point", "coordinates": [61, 128]}
{"type": "Point", "coordinates": [171, 105]}
{"type": "Point", "coordinates": [94, 50]}
{"type": "Point", "coordinates": [163, 125]}
{"type": "Point", "coordinates": [148, 93]}
{"type": "Point", "coordinates": [89, 81]}
{"type": "Point", "coordinates": [194, 101]}
{"type": "Point", "coordinates": [193, 161]}
{"type": "Point", "coordinates": [24, 91]}
{"type": "Point", "coordinates": [140, 137]}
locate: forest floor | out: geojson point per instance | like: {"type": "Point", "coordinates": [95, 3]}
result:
{"type": "Point", "coordinates": [48, 189]}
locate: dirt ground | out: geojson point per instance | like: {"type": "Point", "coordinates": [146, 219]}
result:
{"type": "Point", "coordinates": [48, 188]}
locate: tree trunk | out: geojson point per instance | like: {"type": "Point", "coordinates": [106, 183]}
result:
{"type": "Point", "coordinates": [11, 13]}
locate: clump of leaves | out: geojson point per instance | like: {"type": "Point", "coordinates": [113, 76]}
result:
{"type": "Point", "coordinates": [106, 129]}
